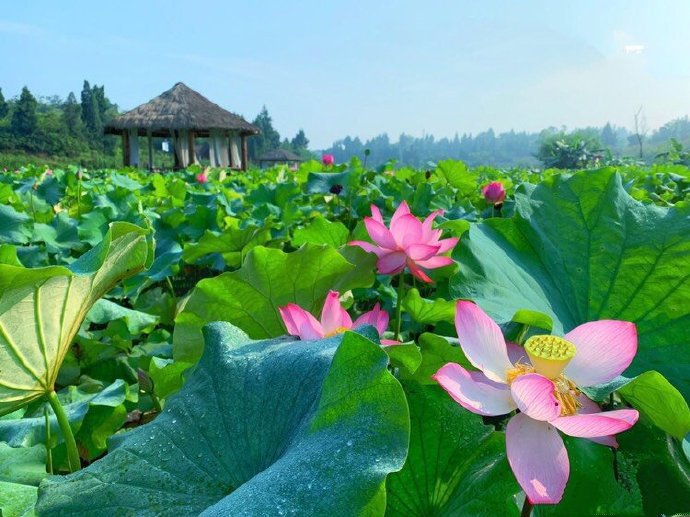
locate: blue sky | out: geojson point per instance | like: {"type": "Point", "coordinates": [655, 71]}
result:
{"type": "Point", "coordinates": [363, 68]}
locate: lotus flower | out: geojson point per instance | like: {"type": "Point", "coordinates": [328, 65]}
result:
{"type": "Point", "coordinates": [408, 242]}
{"type": "Point", "coordinates": [334, 320]}
{"type": "Point", "coordinates": [542, 380]}
{"type": "Point", "coordinates": [328, 159]}
{"type": "Point", "coordinates": [494, 192]}
{"type": "Point", "coordinates": [202, 177]}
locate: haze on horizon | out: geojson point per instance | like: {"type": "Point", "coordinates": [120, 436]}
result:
{"type": "Point", "coordinates": [360, 69]}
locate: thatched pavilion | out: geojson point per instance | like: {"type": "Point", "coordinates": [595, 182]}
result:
{"type": "Point", "coordinates": [279, 156]}
{"type": "Point", "coordinates": [183, 114]}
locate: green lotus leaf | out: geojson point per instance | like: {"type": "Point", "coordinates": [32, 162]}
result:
{"type": "Point", "coordinates": [259, 428]}
{"type": "Point", "coordinates": [581, 249]}
{"type": "Point", "coordinates": [232, 244]}
{"type": "Point", "coordinates": [42, 309]}
{"type": "Point", "coordinates": [322, 231]}
{"type": "Point", "coordinates": [269, 278]}
{"type": "Point", "coordinates": [21, 470]}
{"type": "Point", "coordinates": [456, 464]}
{"type": "Point", "coordinates": [428, 311]}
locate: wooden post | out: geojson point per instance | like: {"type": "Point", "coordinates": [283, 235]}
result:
{"type": "Point", "coordinates": [228, 139]}
{"type": "Point", "coordinates": [150, 141]}
{"type": "Point", "coordinates": [176, 141]}
{"type": "Point", "coordinates": [245, 153]}
{"type": "Point", "coordinates": [125, 148]}
{"type": "Point", "coordinates": [192, 151]}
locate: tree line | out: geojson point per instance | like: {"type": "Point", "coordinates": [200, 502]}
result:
{"type": "Point", "coordinates": [53, 127]}
{"type": "Point", "coordinates": [72, 129]}
{"type": "Point", "coordinates": [553, 146]}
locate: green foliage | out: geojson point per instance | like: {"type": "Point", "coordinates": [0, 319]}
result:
{"type": "Point", "coordinates": [456, 465]}
{"type": "Point", "coordinates": [244, 244]}
{"type": "Point", "coordinates": [4, 109]}
{"type": "Point", "coordinates": [585, 250]}
{"type": "Point", "coordinates": [260, 427]}
{"type": "Point", "coordinates": [34, 342]}
{"type": "Point", "coordinates": [269, 138]}
{"type": "Point", "coordinates": [21, 470]}
{"type": "Point", "coordinates": [573, 151]}
{"type": "Point", "coordinates": [300, 141]}
{"type": "Point", "coordinates": [250, 296]}
{"type": "Point", "coordinates": [24, 119]}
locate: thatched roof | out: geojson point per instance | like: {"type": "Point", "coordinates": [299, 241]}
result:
{"type": "Point", "coordinates": [280, 155]}
{"type": "Point", "coordinates": [180, 108]}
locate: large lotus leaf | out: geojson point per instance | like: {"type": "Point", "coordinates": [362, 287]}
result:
{"type": "Point", "coordinates": [232, 244]}
{"type": "Point", "coordinates": [21, 470]}
{"type": "Point", "coordinates": [259, 428]}
{"type": "Point", "coordinates": [15, 227]}
{"type": "Point", "coordinates": [269, 278]}
{"type": "Point", "coordinates": [458, 175]}
{"type": "Point", "coordinates": [456, 465]}
{"type": "Point", "coordinates": [580, 249]}
{"type": "Point", "coordinates": [594, 487]}
{"type": "Point", "coordinates": [322, 231]}
{"type": "Point", "coordinates": [657, 464]}
{"type": "Point", "coordinates": [41, 310]}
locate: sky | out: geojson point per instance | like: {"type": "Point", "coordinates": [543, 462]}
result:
{"type": "Point", "coordinates": [362, 68]}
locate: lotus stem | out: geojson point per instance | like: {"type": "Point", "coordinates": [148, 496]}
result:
{"type": "Point", "coordinates": [49, 450]}
{"type": "Point", "coordinates": [398, 307]}
{"type": "Point", "coordinates": [79, 196]}
{"type": "Point", "coordinates": [526, 508]}
{"type": "Point", "coordinates": [63, 422]}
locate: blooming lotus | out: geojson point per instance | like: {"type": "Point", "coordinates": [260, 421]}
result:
{"type": "Point", "coordinates": [408, 242]}
{"type": "Point", "coordinates": [328, 159]}
{"type": "Point", "coordinates": [494, 192]}
{"type": "Point", "coordinates": [543, 381]}
{"type": "Point", "coordinates": [202, 177]}
{"type": "Point", "coordinates": [334, 320]}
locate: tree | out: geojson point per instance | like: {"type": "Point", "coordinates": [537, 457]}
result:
{"type": "Point", "coordinates": [608, 136]}
{"type": "Point", "coordinates": [4, 109]}
{"type": "Point", "coordinates": [300, 141]}
{"type": "Point", "coordinates": [90, 110]}
{"type": "Point", "coordinates": [269, 137]}
{"type": "Point", "coordinates": [24, 119]}
{"type": "Point", "coordinates": [71, 112]}
{"type": "Point", "coordinates": [571, 151]}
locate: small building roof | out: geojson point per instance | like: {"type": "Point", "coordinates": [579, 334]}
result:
{"type": "Point", "coordinates": [180, 108]}
{"type": "Point", "coordinates": [280, 155]}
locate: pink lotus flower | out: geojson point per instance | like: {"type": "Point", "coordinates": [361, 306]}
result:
{"type": "Point", "coordinates": [334, 320]}
{"type": "Point", "coordinates": [409, 242]}
{"type": "Point", "coordinates": [328, 159]}
{"type": "Point", "coordinates": [544, 387]}
{"type": "Point", "coordinates": [202, 177]}
{"type": "Point", "coordinates": [494, 192]}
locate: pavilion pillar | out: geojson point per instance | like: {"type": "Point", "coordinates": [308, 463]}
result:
{"type": "Point", "coordinates": [125, 148]}
{"type": "Point", "coordinates": [192, 152]}
{"type": "Point", "coordinates": [150, 144]}
{"type": "Point", "coordinates": [245, 153]}
{"type": "Point", "coordinates": [176, 141]}
{"type": "Point", "coordinates": [228, 139]}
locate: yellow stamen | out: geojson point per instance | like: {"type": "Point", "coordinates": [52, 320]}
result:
{"type": "Point", "coordinates": [567, 393]}
{"type": "Point", "coordinates": [519, 369]}
{"type": "Point", "coordinates": [336, 331]}
{"type": "Point", "coordinates": [549, 354]}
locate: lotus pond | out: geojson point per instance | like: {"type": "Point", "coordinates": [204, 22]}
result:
{"type": "Point", "coordinates": [336, 340]}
